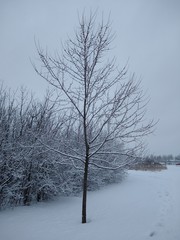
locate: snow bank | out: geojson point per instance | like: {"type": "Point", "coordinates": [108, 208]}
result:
{"type": "Point", "coordinates": [145, 206]}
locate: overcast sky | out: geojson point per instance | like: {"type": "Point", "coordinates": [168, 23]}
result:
{"type": "Point", "coordinates": [147, 33]}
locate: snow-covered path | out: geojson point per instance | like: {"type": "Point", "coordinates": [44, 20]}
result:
{"type": "Point", "coordinates": [145, 206]}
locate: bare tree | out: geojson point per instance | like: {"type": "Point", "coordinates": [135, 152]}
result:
{"type": "Point", "coordinates": [106, 108]}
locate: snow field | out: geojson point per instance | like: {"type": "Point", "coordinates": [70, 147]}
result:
{"type": "Point", "coordinates": [146, 205]}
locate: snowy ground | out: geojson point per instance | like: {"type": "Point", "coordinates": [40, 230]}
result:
{"type": "Point", "coordinates": [145, 206]}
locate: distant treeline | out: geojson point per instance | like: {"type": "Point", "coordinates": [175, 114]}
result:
{"type": "Point", "coordinates": [169, 159]}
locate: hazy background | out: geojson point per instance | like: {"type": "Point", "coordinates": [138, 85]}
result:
{"type": "Point", "coordinates": [147, 32]}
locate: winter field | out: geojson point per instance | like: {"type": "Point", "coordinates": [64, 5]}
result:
{"type": "Point", "coordinates": [146, 205]}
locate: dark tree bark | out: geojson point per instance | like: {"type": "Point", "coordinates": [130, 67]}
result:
{"type": "Point", "coordinates": [85, 185]}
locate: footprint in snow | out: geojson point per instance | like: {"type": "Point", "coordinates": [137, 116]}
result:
{"type": "Point", "coordinates": [152, 234]}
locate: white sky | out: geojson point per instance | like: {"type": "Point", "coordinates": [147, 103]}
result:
{"type": "Point", "coordinates": [147, 32]}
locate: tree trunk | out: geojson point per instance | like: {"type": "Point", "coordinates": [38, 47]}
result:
{"type": "Point", "coordinates": [84, 199]}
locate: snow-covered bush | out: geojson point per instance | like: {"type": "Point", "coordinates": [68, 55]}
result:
{"type": "Point", "coordinates": [31, 169]}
